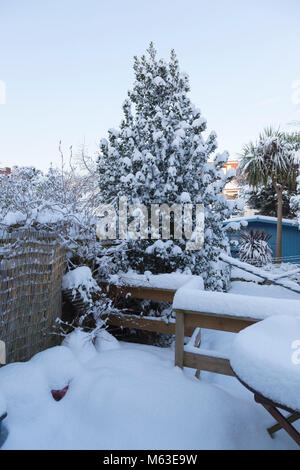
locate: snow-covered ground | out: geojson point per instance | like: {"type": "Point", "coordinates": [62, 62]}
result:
{"type": "Point", "coordinates": [274, 269]}
{"type": "Point", "coordinates": [130, 396]}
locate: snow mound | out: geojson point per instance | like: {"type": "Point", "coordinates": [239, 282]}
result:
{"type": "Point", "coordinates": [81, 345]}
{"type": "Point", "coordinates": [266, 356]}
{"type": "Point", "coordinates": [58, 364]}
{"type": "Point", "coordinates": [105, 341]}
{"type": "Point", "coordinates": [115, 386]}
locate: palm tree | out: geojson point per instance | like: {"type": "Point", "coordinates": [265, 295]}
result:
{"type": "Point", "coordinates": [271, 160]}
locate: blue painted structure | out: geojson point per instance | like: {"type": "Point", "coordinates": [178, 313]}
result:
{"type": "Point", "coordinates": [290, 235]}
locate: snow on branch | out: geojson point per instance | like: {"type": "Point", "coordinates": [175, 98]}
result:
{"type": "Point", "coordinates": [265, 275]}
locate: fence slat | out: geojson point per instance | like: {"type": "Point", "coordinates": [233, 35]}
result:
{"type": "Point", "coordinates": [199, 361]}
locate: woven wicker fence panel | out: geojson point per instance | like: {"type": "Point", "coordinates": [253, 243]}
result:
{"type": "Point", "coordinates": [32, 264]}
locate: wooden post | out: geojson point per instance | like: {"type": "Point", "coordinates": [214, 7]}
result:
{"type": "Point", "coordinates": [179, 341]}
{"type": "Point", "coordinates": [197, 345]}
{"type": "Point", "coordinates": [278, 253]}
{"type": "Point", "coordinates": [2, 353]}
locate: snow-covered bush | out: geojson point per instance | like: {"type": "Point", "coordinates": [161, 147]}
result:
{"type": "Point", "coordinates": [62, 201]}
{"type": "Point", "coordinates": [254, 248]}
{"type": "Point", "coordinates": [161, 153]}
{"type": "Point", "coordinates": [81, 280]}
{"type": "Point", "coordinates": [84, 302]}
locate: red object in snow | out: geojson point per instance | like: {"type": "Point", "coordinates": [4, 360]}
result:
{"type": "Point", "coordinates": [59, 394]}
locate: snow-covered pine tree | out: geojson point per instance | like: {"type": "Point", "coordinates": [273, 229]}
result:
{"type": "Point", "coordinates": [160, 155]}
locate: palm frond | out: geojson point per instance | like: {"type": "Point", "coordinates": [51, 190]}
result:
{"type": "Point", "coordinates": [270, 158]}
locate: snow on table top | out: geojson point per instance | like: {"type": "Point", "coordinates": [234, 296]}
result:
{"type": "Point", "coordinates": [161, 281]}
{"type": "Point", "coordinates": [266, 356]}
{"type": "Point", "coordinates": [234, 304]}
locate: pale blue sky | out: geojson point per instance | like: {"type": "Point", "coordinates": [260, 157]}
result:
{"type": "Point", "coordinates": [67, 65]}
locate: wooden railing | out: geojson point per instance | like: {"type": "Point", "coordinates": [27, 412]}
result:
{"type": "Point", "coordinates": [208, 361]}
{"type": "Point", "coordinates": [139, 292]}
{"type": "Point", "coordinates": [185, 324]}
{"type": "Point", "coordinates": [139, 322]}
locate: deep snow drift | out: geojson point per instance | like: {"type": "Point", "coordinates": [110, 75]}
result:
{"type": "Point", "coordinates": [127, 396]}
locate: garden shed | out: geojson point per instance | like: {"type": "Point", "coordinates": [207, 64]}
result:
{"type": "Point", "coordinates": [290, 235]}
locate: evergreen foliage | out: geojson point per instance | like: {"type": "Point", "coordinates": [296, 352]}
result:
{"type": "Point", "coordinates": [160, 154]}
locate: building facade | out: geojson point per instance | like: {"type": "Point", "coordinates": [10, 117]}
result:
{"type": "Point", "coordinates": [5, 171]}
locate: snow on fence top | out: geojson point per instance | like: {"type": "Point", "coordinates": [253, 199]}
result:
{"type": "Point", "coordinates": [171, 281]}
{"type": "Point", "coordinates": [266, 357]}
{"type": "Point", "coordinates": [81, 276]}
{"type": "Point", "coordinates": [233, 304]}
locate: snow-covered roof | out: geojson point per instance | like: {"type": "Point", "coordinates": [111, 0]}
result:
{"type": "Point", "coordinates": [264, 218]}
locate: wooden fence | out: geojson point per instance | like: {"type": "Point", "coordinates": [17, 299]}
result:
{"type": "Point", "coordinates": [138, 322]}
{"type": "Point", "coordinates": [32, 264]}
